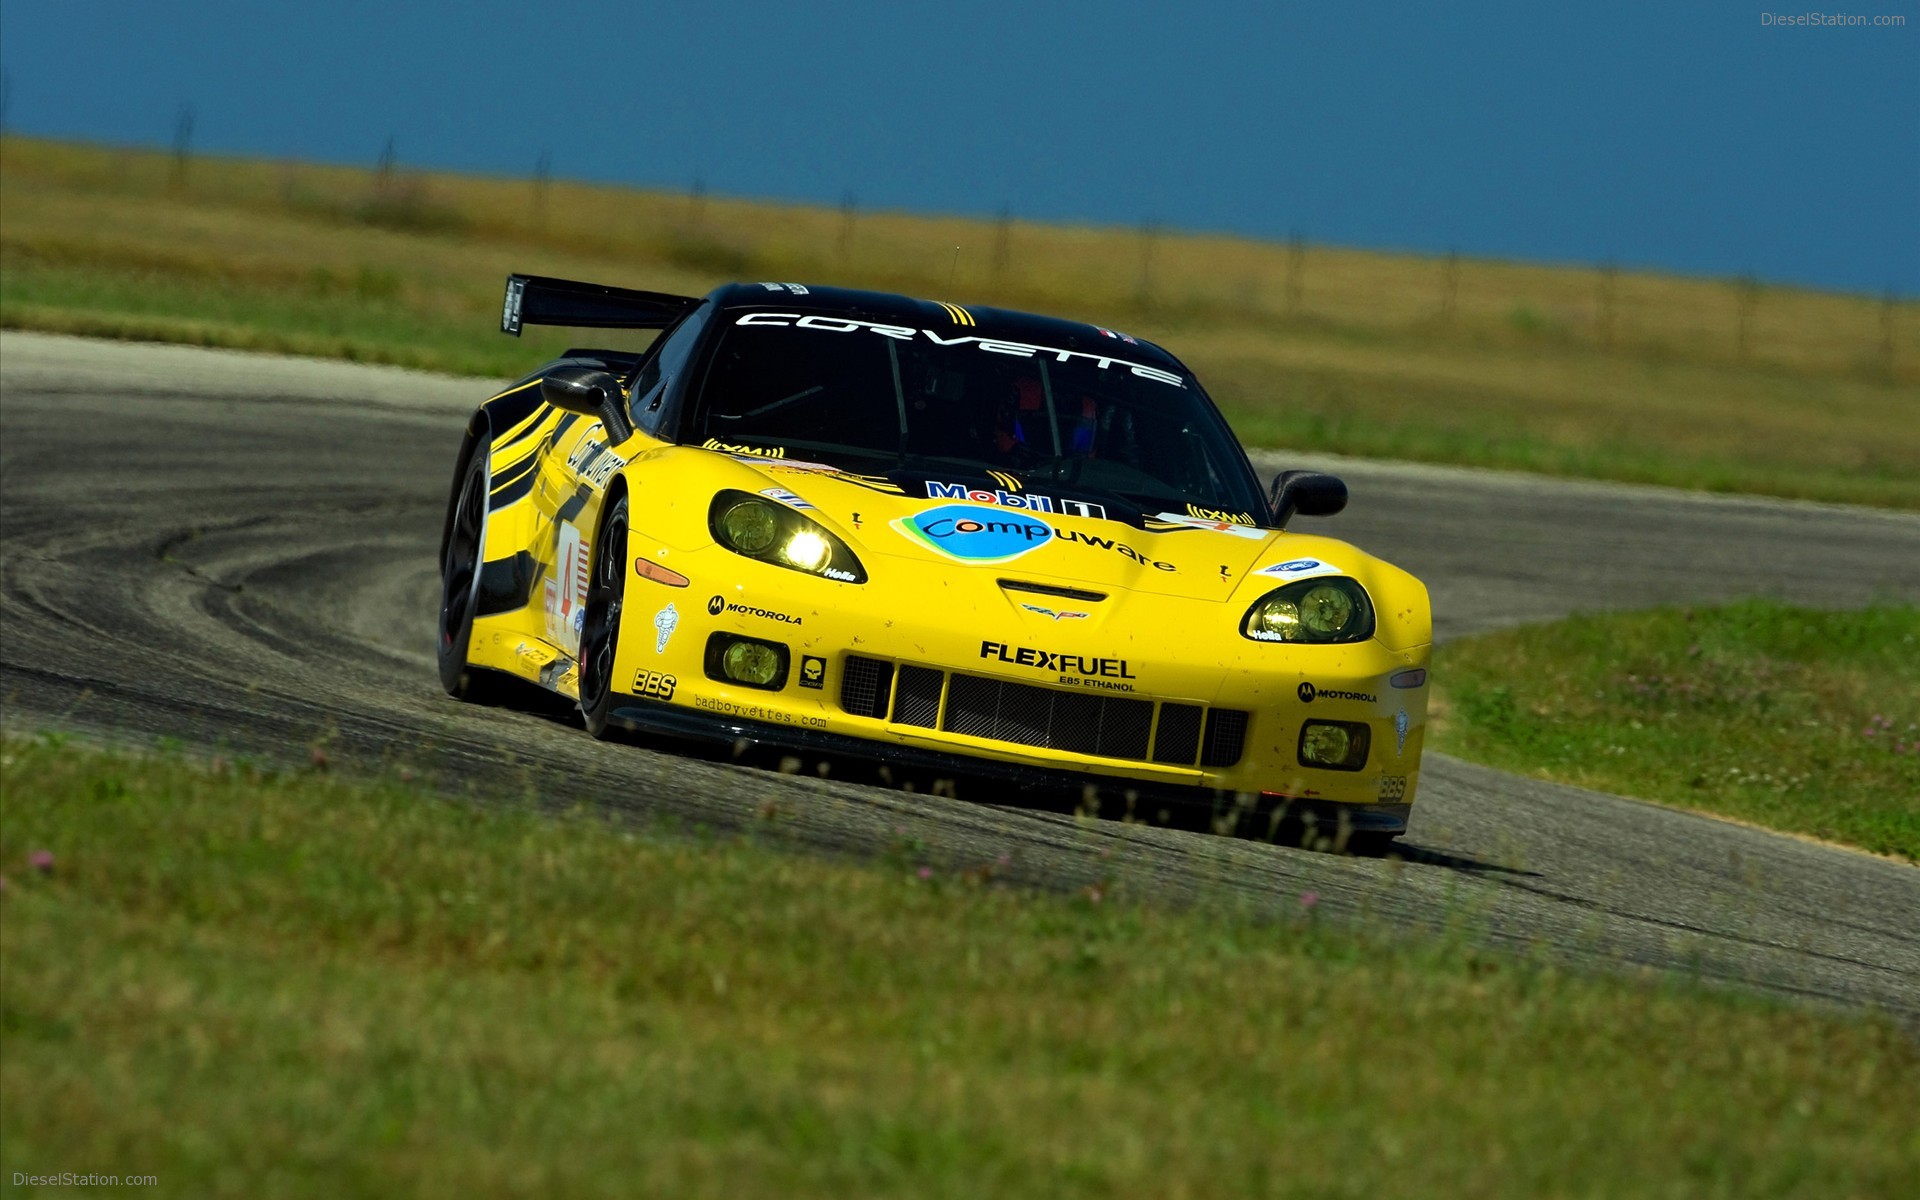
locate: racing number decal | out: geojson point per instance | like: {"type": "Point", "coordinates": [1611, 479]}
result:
{"type": "Point", "coordinates": [567, 591]}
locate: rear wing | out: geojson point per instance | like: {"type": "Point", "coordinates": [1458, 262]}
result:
{"type": "Point", "coordinates": [537, 300]}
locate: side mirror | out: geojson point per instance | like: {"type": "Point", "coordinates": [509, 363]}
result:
{"type": "Point", "coordinates": [1306, 494]}
{"type": "Point", "coordinates": [591, 393]}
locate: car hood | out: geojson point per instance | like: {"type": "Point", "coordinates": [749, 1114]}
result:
{"type": "Point", "coordinates": [1022, 532]}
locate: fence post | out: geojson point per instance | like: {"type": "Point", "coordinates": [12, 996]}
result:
{"type": "Point", "coordinates": [383, 170]}
{"type": "Point", "coordinates": [1002, 244]}
{"type": "Point", "coordinates": [1609, 274]}
{"type": "Point", "coordinates": [1149, 235]}
{"type": "Point", "coordinates": [1296, 269]}
{"type": "Point", "coordinates": [542, 176]}
{"type": "Point", "coordinates": [849, 217]}
{"type": "Point", "coordinates": [1888, 305]}
{"type": "Point", "coordinates": [182, 145]}
{"type": "Point", "coordinates": [1449, 286]}
{"type": "Point", "coordinates": [1748, 290]}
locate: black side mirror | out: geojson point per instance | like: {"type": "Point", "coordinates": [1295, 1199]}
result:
{"type": "Point", "coordinates": [1306, 494]}
{"type": "Point", "coordinates": [591, 393]}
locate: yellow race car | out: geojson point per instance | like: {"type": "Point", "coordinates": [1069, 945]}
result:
{"type": "Point", "coordinates": [951, 538]}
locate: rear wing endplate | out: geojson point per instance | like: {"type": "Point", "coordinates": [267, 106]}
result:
{"type": "Point", "coordinates": [537, 300]}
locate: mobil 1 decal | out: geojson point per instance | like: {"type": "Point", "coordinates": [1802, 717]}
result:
{"type": "Point", "coordinates": [936, 490]}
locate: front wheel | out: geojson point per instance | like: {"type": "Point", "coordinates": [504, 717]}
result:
{"type": "Point", "coordinates": [600, 625]}
{"type": "Point", "coordinates": [460, 567]}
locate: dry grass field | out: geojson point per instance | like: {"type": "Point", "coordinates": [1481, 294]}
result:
{"type": "Point", "coordinates": [1727, 385]}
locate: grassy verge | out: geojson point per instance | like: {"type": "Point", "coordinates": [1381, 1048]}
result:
{"type": "Point", "coordinates": [1616, 375]}
{"type": "Point", "coordinates": [249, 985]}
{"type": "Point", "coordinates": [1794, 719]}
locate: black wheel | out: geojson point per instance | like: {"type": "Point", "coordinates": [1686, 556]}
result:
{"type": "Point", "coordinates": [600, 626]}
{"type": "Point", "coordinates": [460, 585]}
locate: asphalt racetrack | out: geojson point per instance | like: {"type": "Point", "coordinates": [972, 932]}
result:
{"type": "Point", "coordinates": [239, 551]}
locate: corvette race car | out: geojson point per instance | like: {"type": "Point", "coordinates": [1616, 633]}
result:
{"type": "Point", "coordinates": [944, 537]}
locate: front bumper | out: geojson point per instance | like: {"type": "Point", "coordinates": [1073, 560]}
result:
{"type": "Point", "coordinates": [1178, 715]}
{"type": "Point", "coordinates": [1160, 801]}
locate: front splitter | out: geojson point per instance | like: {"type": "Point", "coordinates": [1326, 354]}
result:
{"type": "Point", "coordinates": [1262, 814]}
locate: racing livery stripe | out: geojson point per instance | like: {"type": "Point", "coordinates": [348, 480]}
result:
{"type": "Point", "coordinates": [529, 426]}
{"type": "Point", "coordinates": [511, 493]}
{"type": "Point", "coordinates": [574, 504]}
{"type": "Point", "coordinates": [960, 315]}
{"type": "Point", "coordinates": [515, 390]}
{"type": "Point", "coordinates": [512, 486]}
{"type": "Point", "coordinates": [510, 472]}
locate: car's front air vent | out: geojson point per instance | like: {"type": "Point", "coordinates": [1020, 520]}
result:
{"type": "Point", "coordinates": [864, 685]}
{"type": "Point", "coordinates": [1109, 726]}
{"type": "Point", "coordinates": [1226, 737]}
{"type": "Point", "coordinates": [1179, 738]}
{"type": "Point", "coordinates": [1001, 710]}
{"type": "Point", "coordinates": [1049, 589]}
{"type": "Point", "coordinates": [916, 700]}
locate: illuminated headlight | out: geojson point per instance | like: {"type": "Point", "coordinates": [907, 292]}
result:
{"type": "Point", "coordinates": [1312, 611]}
{"type": "Point", "coordinates": [808, 550]}
{"type": "Point", "coordinates": [773, 533]}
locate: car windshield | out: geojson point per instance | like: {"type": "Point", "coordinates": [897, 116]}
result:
{"type": "Point", "coordinates": [872, 396]}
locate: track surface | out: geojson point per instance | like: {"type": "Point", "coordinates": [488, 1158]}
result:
{"type": "Point", "coordinates": [239, 551]}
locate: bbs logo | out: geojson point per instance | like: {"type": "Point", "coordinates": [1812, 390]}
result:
{"type": "Point", "coordinates": [655, 684]}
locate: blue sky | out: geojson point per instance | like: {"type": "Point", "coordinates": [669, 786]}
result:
{"type": "Point", "coordinates": [1693, 138]}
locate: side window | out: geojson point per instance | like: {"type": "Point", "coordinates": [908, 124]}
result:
{"type": "Point", "coordinates": [659, 371]}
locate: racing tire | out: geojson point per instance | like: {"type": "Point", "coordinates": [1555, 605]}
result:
{"type": "Point", "coordinates": [460, 566]}
{"type": "Point", "coordinates": [600, 625]}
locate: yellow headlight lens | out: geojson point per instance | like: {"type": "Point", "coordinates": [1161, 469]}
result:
{"type": "Point", "coordinates": [808, 550]}
{"type": "Point", "coordinates": [1277, 621]}
{"type": "Point", "coordinates": [1325, 745]}
{"type": "Point", "coordinates": [751, 526]}
{"type": "Point", "coordinates": [1325, 611]}
{"type": "Point", "coordinates": [751, 662]}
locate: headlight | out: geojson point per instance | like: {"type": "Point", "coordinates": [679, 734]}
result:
{"type": "Point", "coordinates": [1313, 611]}
{"type": "Point", "coordinates": [773, 533]}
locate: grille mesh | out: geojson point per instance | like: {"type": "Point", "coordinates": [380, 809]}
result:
{"type": "Point", "coordinates": [1179, 739]}
{"type": "Point", "coordinates": [863, 686]}
{"type": "Point", "coordinates": [1036, 716]}
{"type": "Point", "coordinates": [917, 700]}
{"type": "Point", "coordinates": [1052, 718]}
{"type": "Point", "coordinates": [1226, 737]}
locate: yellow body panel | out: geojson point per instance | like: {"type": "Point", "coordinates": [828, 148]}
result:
{"type": "Point", "coordinates": [1167, 631]}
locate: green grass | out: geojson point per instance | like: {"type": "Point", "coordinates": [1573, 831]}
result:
{"type": "Point", "coordinates": [1633, 376]}
{"type": "Point", "coordinates": [253, 984]}
{"type": "Point", "coordinates": [1795, 719]}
